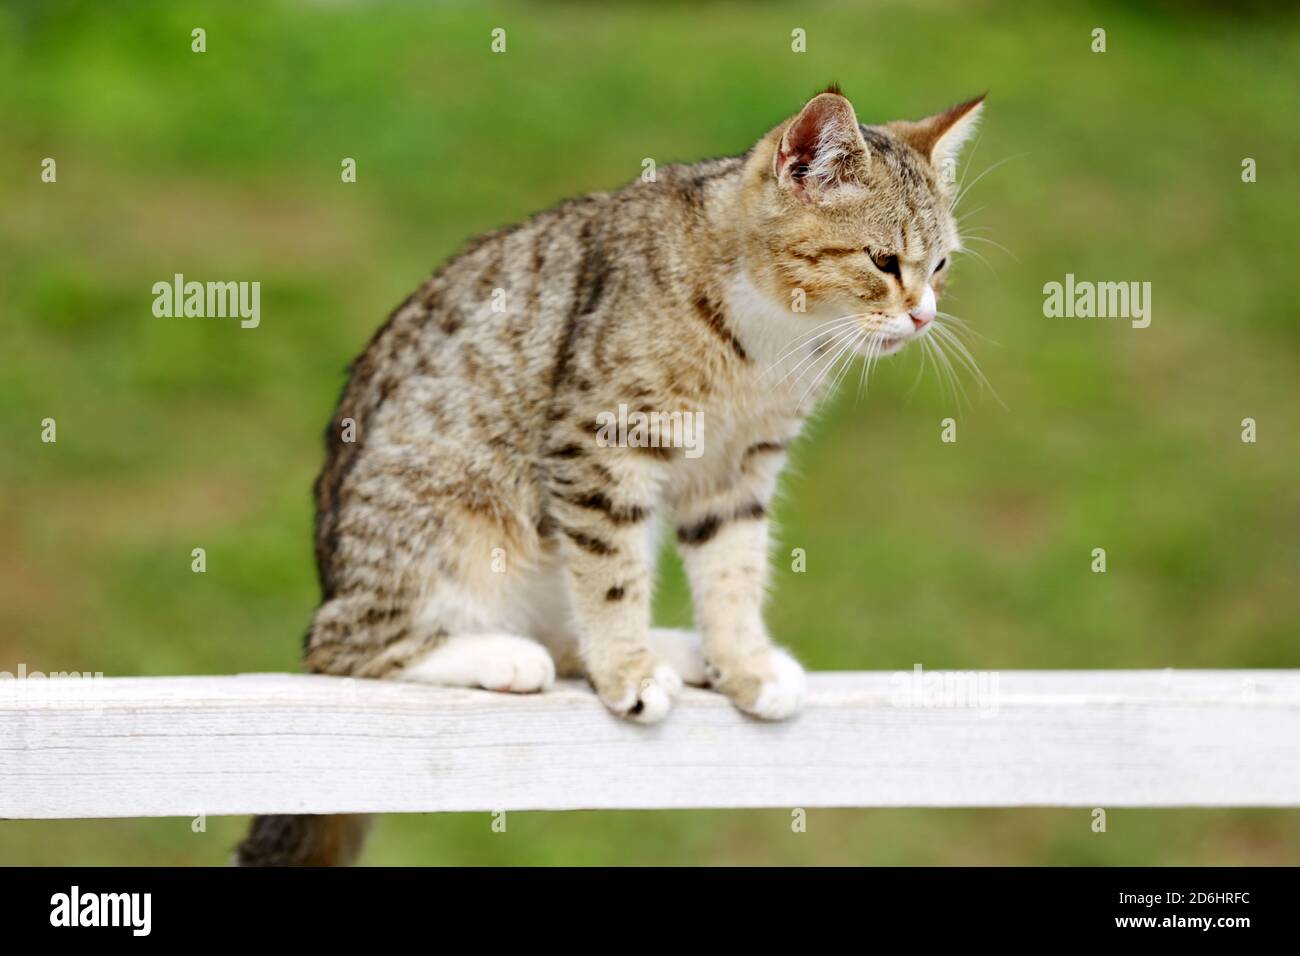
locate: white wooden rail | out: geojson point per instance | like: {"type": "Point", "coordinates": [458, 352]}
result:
{"type": "Point", "coordinates": [133, 747]}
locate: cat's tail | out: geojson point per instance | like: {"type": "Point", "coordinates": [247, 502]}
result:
{"type": "Point", "coordinates": [301, 840]}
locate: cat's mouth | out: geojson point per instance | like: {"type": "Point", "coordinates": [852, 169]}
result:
{"type": "Point", "coordinates": [878, 346]}
{"type": "Point", "coordinates": [887, 334]}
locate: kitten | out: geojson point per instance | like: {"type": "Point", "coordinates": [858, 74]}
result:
{"type": "Point", "coordinates": [477, 533]}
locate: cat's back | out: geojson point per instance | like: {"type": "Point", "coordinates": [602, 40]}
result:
{"type": "Point", "coordinates": [474, 358]}
{"type": "Point", "coordinates": [495, 317]}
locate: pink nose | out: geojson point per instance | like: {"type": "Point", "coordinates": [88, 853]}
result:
{"type": "Point", "coordinates": [922, 317]}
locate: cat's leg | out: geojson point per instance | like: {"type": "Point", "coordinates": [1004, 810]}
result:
{"type": "Point", "coordinates": [723, 541]}
{"type": "Point", "coordinates": [421, 578]}
{"type": "Point", "coordinates": [447, 636]}
{"type": "Point", "coordinates": [543, 593]}
{"type": "Point", "coordinates": [602, 512]}
{"type": "Point", "coordinates": [368, 630]}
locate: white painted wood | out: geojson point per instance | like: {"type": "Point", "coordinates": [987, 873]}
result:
{"type": "Point", "coordinates": [179, 746]}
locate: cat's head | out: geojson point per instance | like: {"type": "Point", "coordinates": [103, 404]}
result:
{"type": "Point", "coordinates": [849, 219]}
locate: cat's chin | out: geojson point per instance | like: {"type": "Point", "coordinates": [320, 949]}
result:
{"type": "Point", "coordinates": [881, 348]}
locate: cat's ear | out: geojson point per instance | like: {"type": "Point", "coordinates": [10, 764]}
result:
{"type": "Point", "coordinates": [821, 149]}
{"type": "Point", "coordinates": [940, 138]}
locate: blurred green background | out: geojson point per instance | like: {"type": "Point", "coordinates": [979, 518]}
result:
{"type": "Point", "coordinates": [184, 433]}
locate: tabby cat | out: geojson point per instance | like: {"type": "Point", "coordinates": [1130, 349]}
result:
{"type": "Point", "coordinates": [474, 529]}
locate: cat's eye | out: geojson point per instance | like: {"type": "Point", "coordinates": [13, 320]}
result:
{"type": "Point", "coordinates": [939, 268]}
{"type": "Point", "coordinates": [886, 263]}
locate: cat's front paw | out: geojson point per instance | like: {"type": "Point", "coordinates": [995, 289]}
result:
{"type": "Point", "coordinates": [771, 686]}
{"type": "Point", "coordinates": [642, 690]}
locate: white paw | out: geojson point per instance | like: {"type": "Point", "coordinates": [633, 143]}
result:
{"type": "Point", "coordinates": [783, 695]}
{"type": "Point", "coordinates": [650, 701]}
{"type": "Point", "coordinates": [681, 650]}
{"type": "Point", "coordinates": [501, 662]}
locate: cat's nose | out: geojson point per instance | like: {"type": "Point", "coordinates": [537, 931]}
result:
{"type": "Point", "coordinates": [924, 313]}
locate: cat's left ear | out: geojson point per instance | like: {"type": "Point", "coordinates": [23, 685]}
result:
{"type": "Point", "coordinates": [940, 138]}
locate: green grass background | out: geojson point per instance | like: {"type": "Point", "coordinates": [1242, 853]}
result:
{"type": "Point", "coordinates": [175, 434]}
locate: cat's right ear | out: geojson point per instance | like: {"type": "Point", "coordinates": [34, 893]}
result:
{"type": "Point", "coordinates": [821, 149]}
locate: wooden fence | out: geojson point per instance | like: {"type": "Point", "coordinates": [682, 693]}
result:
{"type": "Point", "coordinates": [256, 743]}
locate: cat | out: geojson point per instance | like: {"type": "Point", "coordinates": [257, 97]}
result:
{"type": "Point", "coordinates": [472, 531]}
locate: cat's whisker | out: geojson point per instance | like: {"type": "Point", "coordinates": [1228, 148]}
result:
{"type": "Point", "coordinates": [955, 388]}
{"type": "Point", "coordinates": [960, 326]}
{"type": "Point", "coordinates": [943, 371]}
{"type": "Point", "coordinates": [966, 189]}
{"type": "Point", "coordinates": [848, 364]}
{"type": "Point", "coordinates": [965, 356]}
{"type": "Point", "coordinates": [968, 166]}
{"type": "Point", "coordinates": [971, 252]}
{"type": "Point", "coordinates": [823, 360]}
{"type": "Point", "coordinates": [808, 338]}
{"type": "Point", "coordinates": [869, 366]}
{"type": "Point", "coordinates": [927, 347]}
{"type": "Point", "coordinates": [846, 350]}
{"type": "Point", "coordinates": [991, 242]}
{"type": "Point", "coordinates": [947, 339]}
{"type": "Point", "coordinates": [941, 343]}
{"type": "Point", "coordinates": [920, 372]}
{"type": "Point", "coordinates": [815, 353]}
{"type": "Point", "coordinates": [827, 360]}
{"type": "Point", "coordinates": [848, 343]}
{"type": "Point", "coordinates": [856, 353]}
{"type": "Point", "coordinates": [811, 334]}
{"type": "Point", "coordinates": [873, 349]}
{"type": "Point", "coordinates": [810, 361]}
{"type": "Point", "coordinates": [875, 358]}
